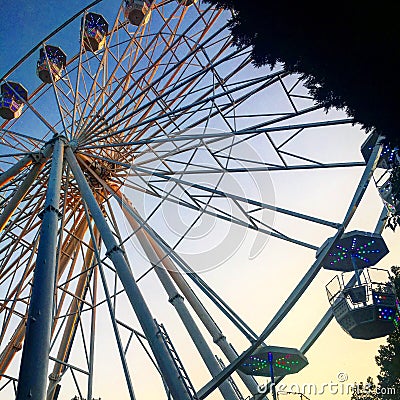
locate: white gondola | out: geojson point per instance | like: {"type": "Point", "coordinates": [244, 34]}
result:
{"type": "Point", "coordinates": [368, 309]}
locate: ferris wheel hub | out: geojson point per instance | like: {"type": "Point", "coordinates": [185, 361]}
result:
{"type": "Point", "coordinates": [73, 143]}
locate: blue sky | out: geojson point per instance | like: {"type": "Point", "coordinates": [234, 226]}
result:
{"type": "Point", "coordinates": [23, 26]}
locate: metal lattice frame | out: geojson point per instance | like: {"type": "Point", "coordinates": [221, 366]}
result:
{"type": "Point", "coordinates": [158, 109]}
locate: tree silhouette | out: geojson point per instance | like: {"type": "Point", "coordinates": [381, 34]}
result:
{"type": "Point", "coordinates": [365, 391]}
{"type": "Point", "coordinates": [346, 51]}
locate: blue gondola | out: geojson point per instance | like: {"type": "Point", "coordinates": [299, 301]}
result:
{"type": "Point", "coordinates": [51, 63]}
{"type": "Point", "coordinates": [95, 29]}
{"type": "Point", "coordinates": [12, 100]}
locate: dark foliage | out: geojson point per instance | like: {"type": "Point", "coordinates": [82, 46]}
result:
{"type": "Point", "coordinates": [365, 391]}
{"type": "Point", "coordinates": [347, 52]}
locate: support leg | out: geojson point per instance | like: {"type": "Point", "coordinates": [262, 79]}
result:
{"type": "Point", "coordinates": [35, 355]}
{"type": "Point", "coordinates": [202, 313]}
{"type": "Point", "coordinates": [9, 174]}
{"type": "Point", "coordinates": [177, 301]}
{"type": "Point", "coordinates": [124, 272]}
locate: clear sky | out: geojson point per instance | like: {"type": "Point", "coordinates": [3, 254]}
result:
{"type": "Point", "coordinates": [255, 283]}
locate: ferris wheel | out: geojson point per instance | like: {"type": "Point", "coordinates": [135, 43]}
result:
{"type": "Point", "coordinates": [144, 151]}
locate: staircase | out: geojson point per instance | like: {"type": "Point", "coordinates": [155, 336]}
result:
{"type": "Point", "coordinates": [178, 363]}
{"type": "Point", "coordinates": [230, 380]}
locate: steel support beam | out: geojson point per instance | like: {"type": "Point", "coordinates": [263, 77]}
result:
{"type": "Point", "coordinates": [115, 253]}
{"type": "Point", "coordinates": [211, 326]}
{"type": "Point", "coordinates": [112, 315]}
{"type": "Point", "coordinates": [20, 165]}
{"type": "Point", "coordinates": [71, 322]}
{"type": "Point", "coordinates": [242, 199]}
{"type": "Point", "coordinates": [178, 302]}
{"type": "Point", "coordinates": [380, 225]}
{"type": "Point", "coordinates": [35, 355]}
